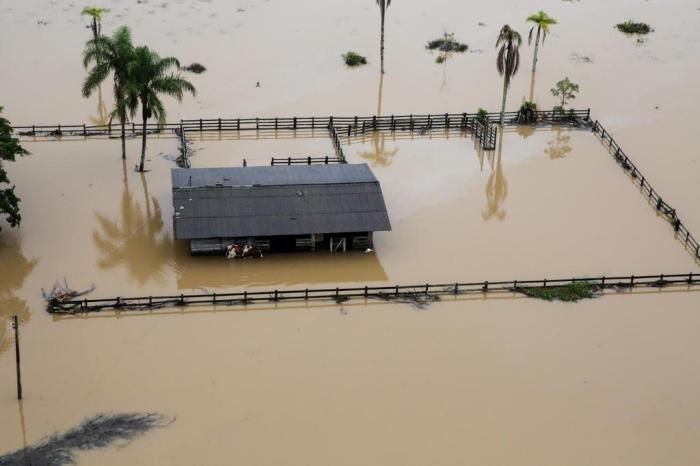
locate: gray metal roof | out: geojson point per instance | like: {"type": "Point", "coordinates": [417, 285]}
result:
{"type": "Point", "coordinates": [280, 200]}
{"type": "Point", "coordinates": [271, 176]}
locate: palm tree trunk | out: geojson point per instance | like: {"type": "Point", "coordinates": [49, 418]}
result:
{"type": "Point", "coordinates": [143, 143]}
{"type": "Point", "coordinates": [123, 139]}
{"type": "Point", "coordinates": [381, 47]}
{"type": "Point", "coordinates": [532, 87]}
{"type": "Point", "coordinates": [537, 46]}
{"type": "Point", "coordinates": [94, 28]}
{"type": "Point", "coordinates": [505, 93]}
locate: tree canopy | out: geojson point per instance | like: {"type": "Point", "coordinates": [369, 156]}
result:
{"type": "Point", "coordinates": [10, 149]}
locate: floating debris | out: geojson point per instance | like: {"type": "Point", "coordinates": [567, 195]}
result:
{"type": "Point", "coordinates": [569, 293]}
{"type": "Point", "coordinates": [583, 59]}
{"type": "Point", "coordinates": [62, 292]}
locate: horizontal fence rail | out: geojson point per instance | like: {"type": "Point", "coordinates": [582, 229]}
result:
{"type": "Point", "coordinates": [393, 122]}
{"type": "Point", "coordinates": [304, 160]}
{"type": "Point", "coordinates": [394, 292]}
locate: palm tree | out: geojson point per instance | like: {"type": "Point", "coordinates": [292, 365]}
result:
{"type": "Point", "coordinates": [149, 76]}
{"type": "Point", "coordinates": [110, 55]}
{"type": "Point", "coordinates": [542, 22]}
{"type": "Point", "coordinates": [383, 5]}
{"type": "Point", "coordinates": [95, 13]}
{"type": "Point", "coordinates": [508, 59]}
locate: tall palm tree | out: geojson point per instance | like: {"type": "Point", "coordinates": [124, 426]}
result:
{"type": "Point", "coordinates": [95, 13]}
{"type": "Point", "coordinates": [149, 76]}
{"type": "Point", "coordinates": [383, 6]}
{"type": "Point", "coordinates": [541, 21]}
{"type": "Point", "coordinates": [508, 60]}
{"type": "Point", "coordinates": [110, 55]}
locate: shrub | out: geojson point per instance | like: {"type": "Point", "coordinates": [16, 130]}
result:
{"type": "Point", "coordinates": [571, 293]}
{"type": "Point", "coordinates": [353, 59]}
{"type": "Point", "coordinates": [196, 68]}
{"type": "Point", "coordinates": [482, 116]}
{"type": "Point", "coordinates": [527, 113]}
{"type": "Point", "coordinates": [632, 27]}
{"type": "Point", "coordinates": [446, 44]}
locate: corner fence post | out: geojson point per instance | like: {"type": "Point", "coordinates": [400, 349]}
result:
{"type": "Point", "coordinates": [15, 325]}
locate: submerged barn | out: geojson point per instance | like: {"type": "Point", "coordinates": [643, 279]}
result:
{"type": "Point", "coordinates": [278, 208]}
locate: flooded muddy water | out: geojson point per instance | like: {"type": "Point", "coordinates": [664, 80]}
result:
{"type": "Point", "coordinates": [498, 380]}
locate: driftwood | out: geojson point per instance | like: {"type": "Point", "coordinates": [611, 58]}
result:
{"type": "Point", "coordinates": [60, 293]}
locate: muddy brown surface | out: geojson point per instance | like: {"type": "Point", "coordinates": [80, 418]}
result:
{"type": "Point", "coordinates": [501, 380]}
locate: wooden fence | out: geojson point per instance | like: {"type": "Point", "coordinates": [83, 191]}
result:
{"type": "Point", "coordinates": [394, 292]}
{"type": "Point", "coordinates": [305, 160]}
{"type": "Point", "coordinates": [682, 232]}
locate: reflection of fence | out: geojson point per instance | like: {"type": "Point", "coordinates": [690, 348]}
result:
{"type": "Point", "coordinates": [653, 196]}
{"type": "Point", "coordinates": [304, 160]}
{"type": "Point", "coordinates": [395, 292]}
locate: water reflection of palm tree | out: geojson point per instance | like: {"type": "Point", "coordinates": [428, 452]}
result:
{"type": "Point", "coordinates": [137, 240]}
{"type": "Point", "coordinates": [496, 189]}
{"type": "Point", "coordinates": [101, 118]}
{"type": "Point", "coordinates": [14, 269]}
{"type": "Point", "coordinates": [379, 155]}
{"type": "Point", "coordinates": [559, 147]}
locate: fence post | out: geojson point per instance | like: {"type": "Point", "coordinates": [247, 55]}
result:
{"type": "Point", "coordinates": [690, 278]}
{"type": "Point", "coordinates": [84, 131]}
{"type": "Point", "coordinates": [456, 288]}
{"type": "Point", "coordinates": [15, 325]}
{"type": "Point", "coordinates": [219, 124]}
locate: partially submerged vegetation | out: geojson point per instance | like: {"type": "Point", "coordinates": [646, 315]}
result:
{"type": "Point", "coordinates": [196, 68]}
{"type": "Point", "coordinates": [446, 44]}
{"type": "Point", "coordinates": [565, 90]}
{"type": "Point", "coordinates": [570, 293]}
{"type": "Point", "coordinates": [633, 27]}
{"type": "Point", "coordinates": [482, 116]}
{"type": "Point", "coordinates": [10, 149]}
{"type": "Point", "coordinates": [353, 59]}
{"type": "Point", "coordinates": [527, 115]}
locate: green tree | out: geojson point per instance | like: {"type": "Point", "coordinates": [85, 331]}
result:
{"type": "Point", "coordinates": [383, 6]}
{"type": "Point", "coordinates": [10, 149]}
{"type": "Point", "coordinates": [508, 60]}
{"type": "Point", "coordinates": [565, 90]}
{"type": "Point", "coordinates": [541, 21]}
{"type": "Point", "coordinates": [150, 76]}
{"type": "Point", "coordinates": [95, 13]}
{"type": "Point", "coordinates": [110, 55]}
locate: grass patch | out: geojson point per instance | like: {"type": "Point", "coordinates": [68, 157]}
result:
{"type": "Point", "coordinates": [353, 59]}
{"type": "Point", "coordinates": [570, 293]}
{"type": "Point", "coordinates": [196, 68]}
{"type": "Point", "coordinates": [632, 27]}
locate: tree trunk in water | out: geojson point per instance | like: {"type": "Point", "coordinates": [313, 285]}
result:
{"type": "Point", "coordinates": [143, 144]}
{"type": "Point", "coordinates": [505, 93]}
{"type": "Point", "coordinates": [381, 47]}
{"type": "Point", "coordinates": [537, 46]}
{"type": "Point", "coordinates": [123, 140]}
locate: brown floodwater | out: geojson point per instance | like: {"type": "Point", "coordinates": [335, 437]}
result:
{"type": "Point", "coordinates": [497, 380]}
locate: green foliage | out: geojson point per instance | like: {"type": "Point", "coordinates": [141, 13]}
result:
{"type": "Point", "coordinates": [446, 44]}
{"type": "Point", "coordinates": [542, 22]}
{"type": "Point", "coordinates": [196, 68]}
{"type": "Point", "coordinates": [150, 76]}
{"type": "Point", "coordinates": [527, 113]}
{"type": "Point", "coordinates": [353, 59]}
{"type": "Point", "coordinates": [571, 293]}
{"type": "Point", "coordinates": [482, 116]}
{"type": "Point", "coordinates": [565, 90]}
{"type": "Point", "coordinates": [632, 27]}
{"type": "Point", "coordinates": [94, 12]}
{"type": "Point", "coordinates": [10, 149]}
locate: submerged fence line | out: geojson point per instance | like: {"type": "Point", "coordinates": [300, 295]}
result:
{"type": "Point", "coordinates": [690, 242]}
{"type": "Point", "coordinates": [338, 294]}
